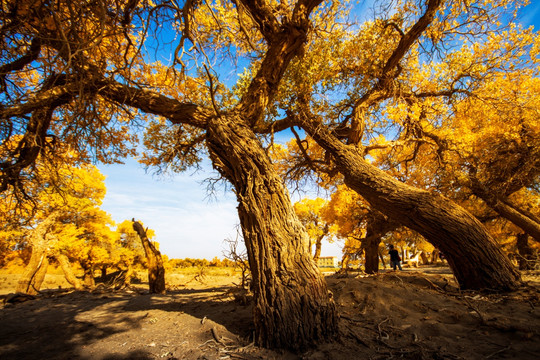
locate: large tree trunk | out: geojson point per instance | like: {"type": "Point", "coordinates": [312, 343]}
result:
{"type": "Point", "coordinates": [372, 255]}
{"type": "Point", "coordinates": [156, 271]}
{"type": "Point", "coordinates": [68, 271]}
{"type": "Point", "coordinates": [293, 307]}
{"type": "Point", "coordinates": [475, 258]}
{"type": "Point", "coordinates": [34, 274]}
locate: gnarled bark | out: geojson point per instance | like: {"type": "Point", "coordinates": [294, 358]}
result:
{"type": "Point", "coordinates": [293, 307]}
{"type": "Point", "coordinates": [156, 271]}
{"type": "Point", "coordinates": [475, 258]}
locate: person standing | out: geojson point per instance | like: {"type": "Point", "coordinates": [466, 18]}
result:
{"type": "Point", "coordinates": [395, 260]}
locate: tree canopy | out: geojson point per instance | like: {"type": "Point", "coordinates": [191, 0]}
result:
{"type": "Point", "coordinates": [379, 97]}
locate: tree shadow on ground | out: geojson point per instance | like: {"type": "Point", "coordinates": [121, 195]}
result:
{"type": "Point", "coordinates": [57, 326]}
{"type": "Point", "coordinates": [73, 325]}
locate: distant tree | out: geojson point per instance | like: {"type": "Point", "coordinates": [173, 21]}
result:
{"type": "Point", "coordinates": [310, 212]}
{"type": "Point", "coordinates": [353, 219]}
{"type": "Point", "coordinates": [62, 219]}
{"type": "Point", "coordinates": [156, 271]}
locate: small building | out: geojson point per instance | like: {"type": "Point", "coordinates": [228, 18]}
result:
{"type": "Point", "coordinates": [328, 262]}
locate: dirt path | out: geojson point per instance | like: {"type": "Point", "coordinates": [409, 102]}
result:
{"type": "Point", "coordinates": [410, 314]}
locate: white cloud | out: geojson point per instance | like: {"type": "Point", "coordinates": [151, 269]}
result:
{"type": "Point", "coordinates": [187, 223]}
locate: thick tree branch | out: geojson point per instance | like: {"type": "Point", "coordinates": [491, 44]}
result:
{"type": "Point", "coordinates": [57, 95]}
{"type": "Point", "coordinates": [410, 37]}
{"type": "Point", "coordinates": [20, 63]}
{"type": "Point", "coordinates": [261, 12]}
{"type": "Point", "coordinates": [151, 102]}
{"type": "Point", "coordinates": [285, 42]}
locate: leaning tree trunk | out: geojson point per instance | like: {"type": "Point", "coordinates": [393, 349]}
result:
{"type": "Point", "coordinates": [526, 221]}
{"type": "Point", "coordinates": [34, 274]}
{"type": "Point", "coordinates": [293, 307]}
{"type": "Point", "coordinates": [522, 218]}
{"type": "Point", "coordinates": [475, 258]}
{"type": "Point", "coordinates": [156, 271]}
{"type": "Point", "coordinates": [68, 271]}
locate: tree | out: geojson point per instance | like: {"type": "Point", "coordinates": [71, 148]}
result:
{"type": "Point", "coordinates": [128, 250]}
{"type": "Point", "coordinates": [34, 274]}
{"type": "Point", "coordinates": [156, 271]}
{"type": "Point", "coordinates": [400, 71]}
{"type": "Point", "coordinates": [77, 71]}
{"type": "Point", "coordinates": [487, 150]}
{"type": "Point", "coordinates": [500, 157]}
{"type": "Point", "coordinates": [363, 226]}
{"type": "Point", "coordinates": [61, 220]}
{"type": "Point", "coordinates": [310, 213]}
{"type": "Point", "coordinates": [293, 308]}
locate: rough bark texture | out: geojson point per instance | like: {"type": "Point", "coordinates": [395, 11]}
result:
{"type": "Point", "coordinates": [527, 222]}
{"type": "Point", "coordinates": [293, 307]}
{"type": "Point", "coordinates": [371, 252]}
{"type": "Point", "coordinates": [68, 271]}
{"type": "Point", "coordinates": [156, 271]}
{"type": "Point", "coordinates": [475, 258]}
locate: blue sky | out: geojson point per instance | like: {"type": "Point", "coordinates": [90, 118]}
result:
{"type": "Point", "coordinates": [187, 221]}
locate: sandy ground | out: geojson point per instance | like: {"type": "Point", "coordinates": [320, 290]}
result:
{"type": "Point", "coordinates": [414, 314]}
